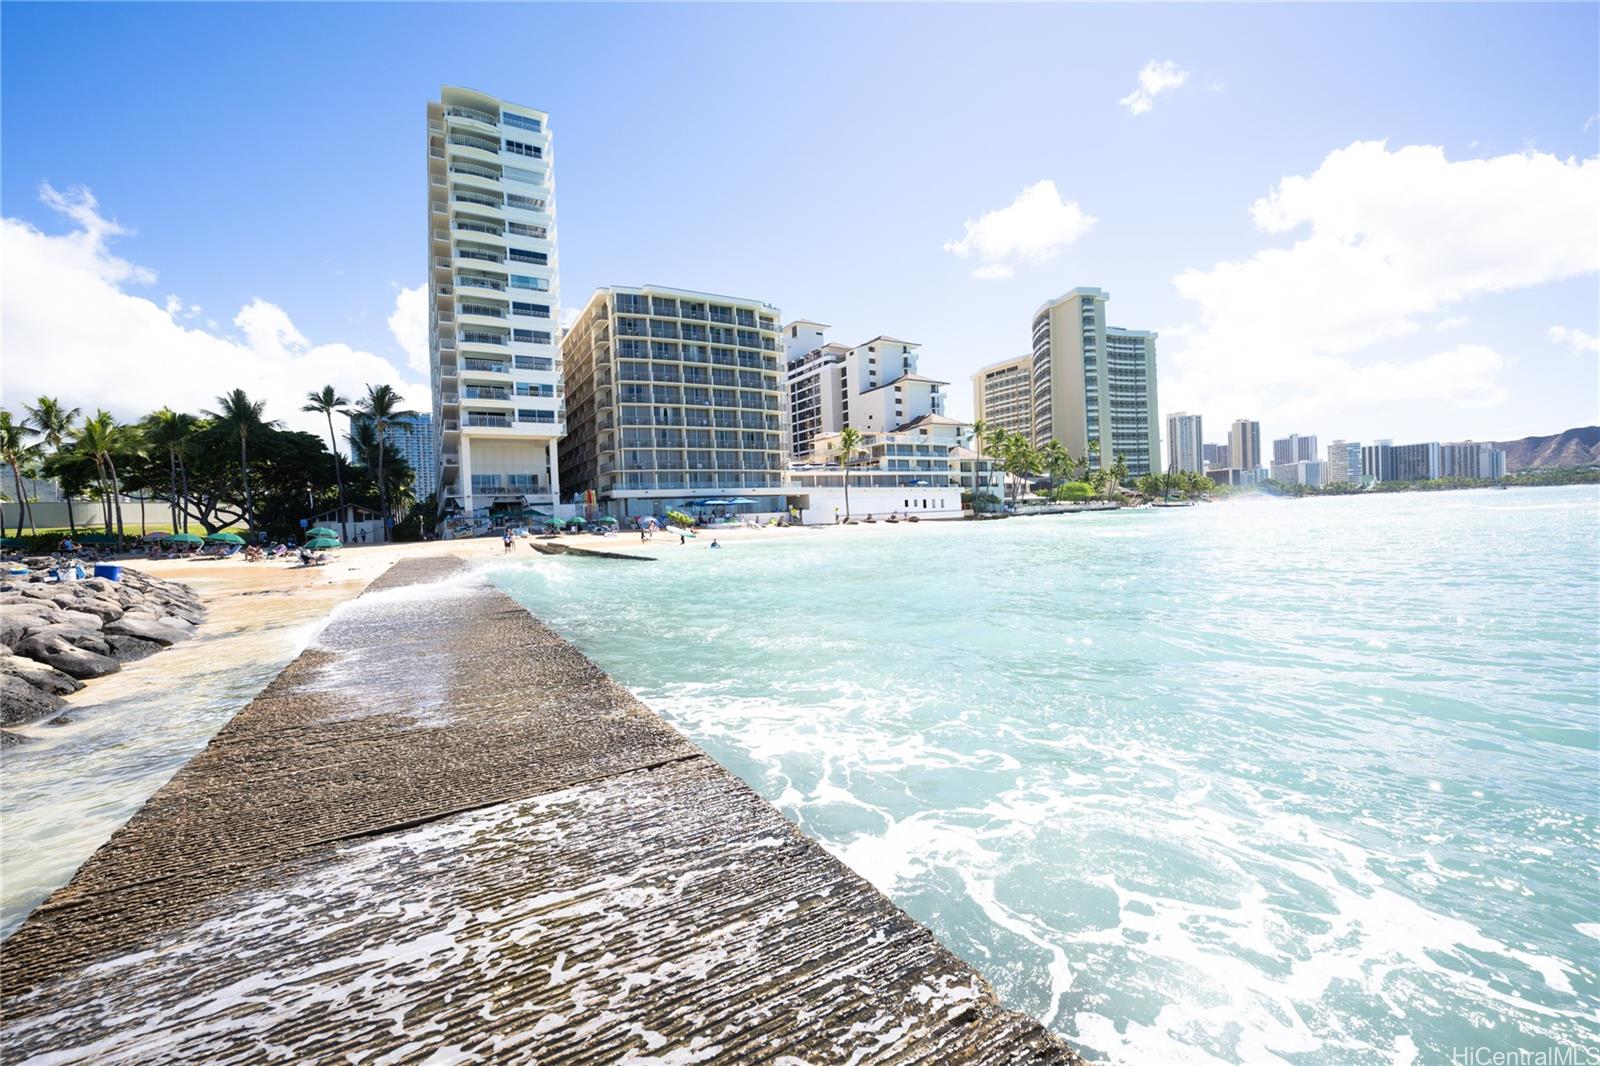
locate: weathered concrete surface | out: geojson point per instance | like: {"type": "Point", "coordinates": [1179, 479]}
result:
{"type": "Point", "coordinates": [444, 835]}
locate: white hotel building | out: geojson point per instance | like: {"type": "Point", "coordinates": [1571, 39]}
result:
{"type": "Point", "coordinates": [493, 309]}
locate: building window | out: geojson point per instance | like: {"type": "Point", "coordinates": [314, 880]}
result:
{"type": "Point", "coordinates": [522, 281]}
{"type": "Point", "coordinates": [519, 255]}
{"type": "Point", "coordinates": [532, 310]}
{"type": "Point", "coordinates": [531, 336]}
{"type": "Point", "coordinates": [518, 148]}
{"type": "Point", "coordinates": [527, 415]}
{"type": "Point", "coordinates": [521, 121]}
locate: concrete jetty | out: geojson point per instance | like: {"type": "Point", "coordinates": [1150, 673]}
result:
{"type": "Point", "coordinates": [443, 835]}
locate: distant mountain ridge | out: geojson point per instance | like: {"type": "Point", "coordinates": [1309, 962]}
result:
{"type": "Point", "coordinates": [1575, 447]}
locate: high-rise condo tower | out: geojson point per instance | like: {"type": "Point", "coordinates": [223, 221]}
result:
{"type": "Point", "coordinates": [493, 309]}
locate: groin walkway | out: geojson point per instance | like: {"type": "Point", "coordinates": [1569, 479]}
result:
{"type": "Point", "coordinates": [442, 835]}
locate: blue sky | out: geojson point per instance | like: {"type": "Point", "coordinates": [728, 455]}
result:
{"type": "Point", "coordinates": [824, 158]}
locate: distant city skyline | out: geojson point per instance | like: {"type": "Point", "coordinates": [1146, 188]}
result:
{"type": "Point", "coordinates": [1423, 272]}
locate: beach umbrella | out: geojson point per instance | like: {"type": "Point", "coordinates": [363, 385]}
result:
{"type": "Point", "coordinates": [607, 520]}
{"type": "Point", "coordinates": [224, 538]}
{"type": "Point", "coordinates": [576, 520]}
{"type": "Point", "coordinates": [185, 538]}
{"type": "Point", "coordinates": [323, 543]}
{"type": "Point", "coordinates": [322, 531]}
{"type": "Point", "coordinates": [740, 499]}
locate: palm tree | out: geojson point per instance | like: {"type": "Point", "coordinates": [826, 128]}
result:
{"type": "Point", "coordinates": [1057, 461]}
{"type": "Point", "coordinates": [241, 414]}
{"type": "Point", "coordinates": [169, 430]}
{"type": "Point", "coordinates": [54, 422]}
{"type": "Point", "coordinates": [849, 444]}
{"type": "Point", "coordinates": [15, 450]}
{"type": "Point", "coordinates": [381, 407]}
{"type": "Point", "coordinates": [979, 428]}
{"type": "Point", "coordinates": [99, 437]}
{"type": "Point", "coordinates": [1119, 472]}
{"type": "Point", "coordinates": [326, 402]}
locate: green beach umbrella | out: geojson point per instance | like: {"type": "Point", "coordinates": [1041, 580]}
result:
{"type": "Point", "coordinates": [607, 520]}
{"type": "Point", "coordinates": [576, 521]}
{"type": "Point", "coordinates": [323, 543]}
{"type": "Point", "coordinates": [322, 531]}
{"type": "Point", "coordinates": [184, 538]}
{"type": "Point", "coordinates": [224, 538]}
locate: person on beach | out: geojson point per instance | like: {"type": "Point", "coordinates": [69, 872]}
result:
{"type": "Point", "coordinates": [507, 539]}
{"type": "Point", "coordinates": [714, 543]}
{"type": "Point", "coordinates": [682, 539]}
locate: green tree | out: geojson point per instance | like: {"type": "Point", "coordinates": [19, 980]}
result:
{"type": "Point", "coordinates": [849, 444]}
{"type": "Point", "coordinates": [15, 450]}
{"type": "Point", "coordinates": [242, 415]}
{"type": "Point", "coordinates": [979, 427]}
{"type": "Point", "coordinates": [168, 431]}
{"type": "Point", "coordinates": [1021, 461]}
{"type": "Point", "coordinates": [381, 408]}
{"type": "Point", "coordinates": [55, 423]}
{"type": "Point", "coordinates": [1058, 462]}
{"type": "Point", "coordinates": [101, 438]}
{"type": "Point", "coordinates": [326, 402]}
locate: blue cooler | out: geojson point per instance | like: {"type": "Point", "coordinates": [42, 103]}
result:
{"type": "Point", "coordinates": [109, 571]}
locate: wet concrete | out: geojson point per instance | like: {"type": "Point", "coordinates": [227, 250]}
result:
{"type": "Point", "coordinates": [443, 835]}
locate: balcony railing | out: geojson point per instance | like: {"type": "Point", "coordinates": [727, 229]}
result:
{"type": "Point", "coordinates": [486, 310]}
{"type": "Point", "coordinates": [478, 227]}
{"type": "Point", "coordinates": [480, 282]}
{"type": "Point", "coordinates": [474, 171]}
{"type": "Point", "coordinates": [462, 111]}
{"type": "Point", "coordinates": [473, 198]}
{"type": "Point", "coordinates": [463, 141]}
{"type": "Point", "coordinates": [489, 421]}
{"type": "Point", "coordinates": [478, 392]}
{"type": "Point", "coordinates": [489, 366]}
{"type": "Point", "coordinates": [471, 337]}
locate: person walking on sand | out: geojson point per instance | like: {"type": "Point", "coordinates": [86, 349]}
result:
{"type": "Point", "coordinates": [507, 540]}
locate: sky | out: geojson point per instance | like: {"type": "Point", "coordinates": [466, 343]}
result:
{"type": "Point", "coordinates": [1358, 221]}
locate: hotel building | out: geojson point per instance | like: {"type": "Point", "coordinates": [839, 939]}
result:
{"type": "Point", "coordinates": [493, 301]}
{"type": "Point", "coordinates": [1184, 447]}
{"type": "Point", "coordinates": [1094, 386]}
{"type": "Point", "coordinates": [1344, 462]}
{"type": "Point", "coordinates": [1415, 462]}
{"type": "Point", "coordinates": [1377, 461]}
{"type": "Point", "coordinates": [873, 386]}
{"type": "Point", "coordinates": [1215, 456]}
{"type": "Point", "coordinates": [1311, 473]}
{"type": "Point", "coordinates": [673, 396]}
{"type": "Point", "coordinates": [1002, 396]}
{"type": "Point", "coordinates": [1295, 449]}
{"type": "Point", "coordinates": [921, 468]}
{"type": "Point", "coordinates": [1244, 445]}
{"type": "Point", "coordinates": [1472, 459]}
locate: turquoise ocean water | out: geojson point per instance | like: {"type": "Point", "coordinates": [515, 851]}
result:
{"type": "Point", "coordinates": [1271, 781]}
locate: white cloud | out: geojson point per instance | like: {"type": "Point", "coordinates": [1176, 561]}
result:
{"type": "Point", "coordinates": [1033, 228]}
{"type": "Point", "coordinates": [1576, 339]}
{"type": "Point", "coordinates": [1453, 322]}
{"type": "Point", "coordinates": [1387, 237]}
{"type": "Point", "coordinates": [72, 331]}
{"type": "Point", "coordinates": [409, 324]}
{"type": "Point", "coordinates": [1155, 79]}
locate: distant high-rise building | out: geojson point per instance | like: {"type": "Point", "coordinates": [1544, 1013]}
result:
{"type": "Point", "coordinates": [1308, 472]}
{"type": "Point", "coordinates": [1344, 462]}
{"type": "Point", "coordinates": [1415, 462]}
{"type": "Point", "coordinates": [493, 300]}
{"type": "Point", "coordinates": [1215, 456]}
{"type": "Point", "coordinates": [1377, 461]}
{"type": "Point", "coordinates": [1295, 449]}
{"type": "Point", "coordinates": [413, 439]}
{"type": "Point", "coordinates": [1094, 386]}
{"type": "Point", "coordinates": [1471, 459]}
{"type": "Point", "coordinates": [1183, 443]}
{"type": "Point", "coordinates": [1002, 395]}
{"type": "Point", "coordinates": [1244, 445]}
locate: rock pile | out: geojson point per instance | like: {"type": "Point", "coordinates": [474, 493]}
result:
{"type": "Point", "coordinates": [56, 635]}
